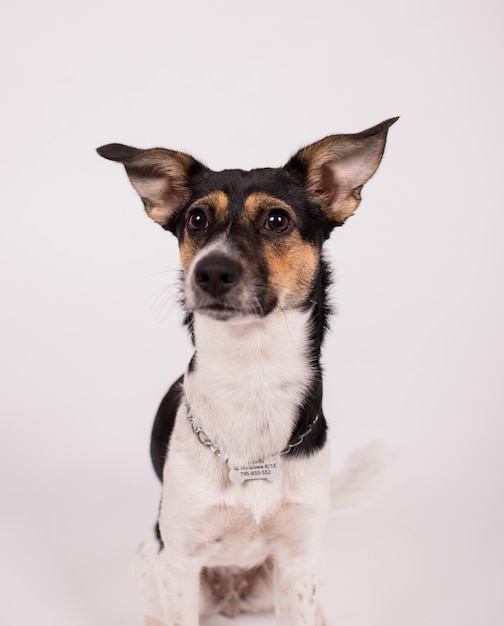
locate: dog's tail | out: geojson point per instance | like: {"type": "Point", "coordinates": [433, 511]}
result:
{"type": "Point", "coordinates": [359, 478]}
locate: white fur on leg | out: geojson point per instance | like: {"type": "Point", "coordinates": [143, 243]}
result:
{"type": "Point", "coordinates": [146, 580]}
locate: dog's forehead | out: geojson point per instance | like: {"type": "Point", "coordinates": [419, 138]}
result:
{"type": "Point", "coordinates": [237, 185]}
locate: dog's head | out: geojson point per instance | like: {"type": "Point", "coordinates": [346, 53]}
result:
{"type": "Point", "coordinates": [250, 241]}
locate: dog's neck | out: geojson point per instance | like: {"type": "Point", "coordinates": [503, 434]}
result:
{"type": "Point", "coordinates": [256, 345]}
{"type": "Point", "coordinates": [248, 380]}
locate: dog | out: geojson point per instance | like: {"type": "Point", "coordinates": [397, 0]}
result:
{"type": "Point", "coordinates": [240, 440]}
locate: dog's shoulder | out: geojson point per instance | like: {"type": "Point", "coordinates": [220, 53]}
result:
{"type": "Point", "coordinates": [163, 425]}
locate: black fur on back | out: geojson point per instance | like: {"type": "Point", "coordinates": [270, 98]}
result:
{"type": "Point", "coordinates": [163, 426]}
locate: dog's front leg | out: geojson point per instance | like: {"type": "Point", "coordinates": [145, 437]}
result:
{"type": "Point", "coordinates": [296, 594]}
{"type": "Point", "coordinates": [178, 584]}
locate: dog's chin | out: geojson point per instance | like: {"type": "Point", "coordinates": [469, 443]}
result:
{"type": "Point", "coordinates": [223, 313]}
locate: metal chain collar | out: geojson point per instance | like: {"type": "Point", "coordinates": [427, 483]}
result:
{"type": "Point", "coordinates": [213, 447]}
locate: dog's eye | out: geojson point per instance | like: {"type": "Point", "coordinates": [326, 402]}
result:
{"type": "Point", "coordinates": [197, 220]}
{"type": "Point", "coordinates": [278, 221]}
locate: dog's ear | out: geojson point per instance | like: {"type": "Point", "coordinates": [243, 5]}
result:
{"type": "Point", "coordinates": [160, 176]}
{"type": "Point", "coordinates": [334, 169]}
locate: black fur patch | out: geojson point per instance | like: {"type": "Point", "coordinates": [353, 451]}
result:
{"type": "Point", "coordinates": [163, 426]}
{"type": "Point", "coordinates": [312, 403]}
{"type": "Point", "coordinates": [307, 412]}
{"type": "Point", "coordinates": [157, 532]}
{"type": "Point", "coordinates": [192, 364]}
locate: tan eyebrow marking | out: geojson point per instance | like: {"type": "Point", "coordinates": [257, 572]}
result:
{"type": "Point", "coordinates": [216, 200]}
{"type": "Point", "coordinates": [258, 201]}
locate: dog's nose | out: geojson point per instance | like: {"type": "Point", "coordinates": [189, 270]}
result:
{"type": "Point", "coordinates": [217, 274]}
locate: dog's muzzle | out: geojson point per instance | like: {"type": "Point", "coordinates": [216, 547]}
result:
{"type": "Point", "coordinates": [216, 288]}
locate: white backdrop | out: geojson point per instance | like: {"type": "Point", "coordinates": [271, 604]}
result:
{"type": "Point", "coordinates": [89, 339]}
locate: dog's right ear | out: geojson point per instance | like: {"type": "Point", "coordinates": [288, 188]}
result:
{"type": "Point", "coordinates": [160, 176]}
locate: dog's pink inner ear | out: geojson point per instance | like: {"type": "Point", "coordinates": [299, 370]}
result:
{"type": "Point", "coordinates": [341, 181]}
{"type": "Point", "coordinates": [159, 176]}
{"type": "Point", "coordinates": [338, 166]}
{"type": "Point", "coordinates": [159, 195]}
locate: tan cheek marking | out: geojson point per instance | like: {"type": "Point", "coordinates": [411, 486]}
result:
{"type": "Point", "coordinates": [187, 253]}
{"type": "Point", "coordinates": [292, 262]}
{"type": "Point", "coordinates": [292, 266]}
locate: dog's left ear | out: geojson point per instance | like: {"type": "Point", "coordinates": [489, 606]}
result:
{"type": "Point", "coordinates": [335, 169]}
{"type": "Point", "coordinates": [161, 177]}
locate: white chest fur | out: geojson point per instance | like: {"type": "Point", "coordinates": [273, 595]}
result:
{"type": "Point", "coordinates": [220, 523]}
{"type": "Point", "coordinates": [244, 392]}
{"type": "Point", "coordinates": [248, 382]}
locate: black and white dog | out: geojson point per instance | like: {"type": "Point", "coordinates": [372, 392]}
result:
{"type": "Point", "coordinates": [239, 441]}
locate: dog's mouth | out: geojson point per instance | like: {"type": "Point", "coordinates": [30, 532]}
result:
{"type": "Point", "coordinates": [223, 312]}
{"type": "Point", "coordinates": [239, 306]}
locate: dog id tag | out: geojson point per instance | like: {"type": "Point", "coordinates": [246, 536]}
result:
{"type": "Point", "coordinates": [268, 469]}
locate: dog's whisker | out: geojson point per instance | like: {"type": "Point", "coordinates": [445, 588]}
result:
{"type": "Point", "coordinates": [163, 302]}
{"type": "Point", "coordinates": [166, 270]}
